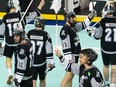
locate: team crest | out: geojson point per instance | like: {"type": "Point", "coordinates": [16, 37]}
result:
{"type": "Point", "coordinates": [21, 51]}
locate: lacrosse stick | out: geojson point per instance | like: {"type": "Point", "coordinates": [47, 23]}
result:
{"type": "Point", "coordinates": [26, 11]}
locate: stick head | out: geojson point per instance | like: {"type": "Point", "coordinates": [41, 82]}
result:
{"type": "Point", "coordinates": [11, 4]}
{"type": "Point", "coordinates": [109, 9]}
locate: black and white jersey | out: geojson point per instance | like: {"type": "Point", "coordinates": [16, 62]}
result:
{"type": "Point", "coordinates": [108, 39]}
{"type": "Point", "coordinates": [77, 7]}
{"type": "Point", "coordinates": [70, 39]}
{"type": "Point", "coordinates": [106, 32]}
{"type": "Point", "coordinates": [91, 77]}
{"type": "Point", "coordinates": [23, 61]}
{"type": "Point", "coordinates": [87, 78]}
{"type": "Point", "coordinates": [10, 23]}
{"type": "Point", "coordinates": [70, 42]}
{"type": "Point", "coordinates": [42, 46]}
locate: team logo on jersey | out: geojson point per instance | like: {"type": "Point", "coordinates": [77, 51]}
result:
{"type": "Point", "coordinates": [89, 74]}
{"type": "Point", "coordinates": [63, 33]}
{"type": "Point", "coordinates": [86, 77]}
{"type": "Point", "coordinates": [21, 51]}
{"type": "Point", "coordinates": [97, 74]}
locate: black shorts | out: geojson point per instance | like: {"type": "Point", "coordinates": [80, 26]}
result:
{"type": "Point", "coordinates": [9, 50]}
{"type": "Point", "coordinates": [109, 58]}
{"type": "Point", "coordinates": [39, 70]}
{"type": "Point", "coordinates": [26, 83]}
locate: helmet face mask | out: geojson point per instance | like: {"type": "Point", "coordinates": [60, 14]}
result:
{"type": "Point", "coordinates": [39, 22]}
{"type": "Point", "coordinates": [69, 15]}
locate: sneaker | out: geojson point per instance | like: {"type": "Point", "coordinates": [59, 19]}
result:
{"type": "Point", "coordinates": [9, 81]}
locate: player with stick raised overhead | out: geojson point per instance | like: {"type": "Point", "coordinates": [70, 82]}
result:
{"type": "Point", "coordinates": [10, 22]}
{"type": "Point", "coordinates": [105, 30]}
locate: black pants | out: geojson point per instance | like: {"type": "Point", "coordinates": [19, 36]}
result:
{"type": "Point", "coordinates": [26, 83]}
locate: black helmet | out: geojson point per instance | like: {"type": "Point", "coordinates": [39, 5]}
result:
{"type": "Point", "coordinates": [69, 15]}
{"type": "Point", "coordinates": [39, 22]}
{"type": "Point", "coordinates": [90, 53]}
{"type": "Point", "coordinates": [11, 4]}
{"type": "Point", "coordinates": [20, 33]}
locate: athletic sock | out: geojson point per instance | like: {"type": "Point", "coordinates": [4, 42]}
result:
{"type": "Point", "coordinates": [10, 71]}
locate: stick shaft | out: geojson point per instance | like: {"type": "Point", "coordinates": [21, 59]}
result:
{"type": "Point", "coordinates": [26, 11]}
{"type": "Point", "coordinates": [56, 30]}
{"type": "Point", "coordinates": [101, 18]}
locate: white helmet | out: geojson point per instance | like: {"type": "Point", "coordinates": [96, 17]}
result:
{"type": "Point", "coordinates": [109, 9]}
{"type": "Point", "coordinates": [11, 4]}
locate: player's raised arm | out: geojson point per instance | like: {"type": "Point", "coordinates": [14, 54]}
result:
{"type": "Point", "coordinates": [35, 13]}
{"type": "Point", "coordinates": [42, 3]}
